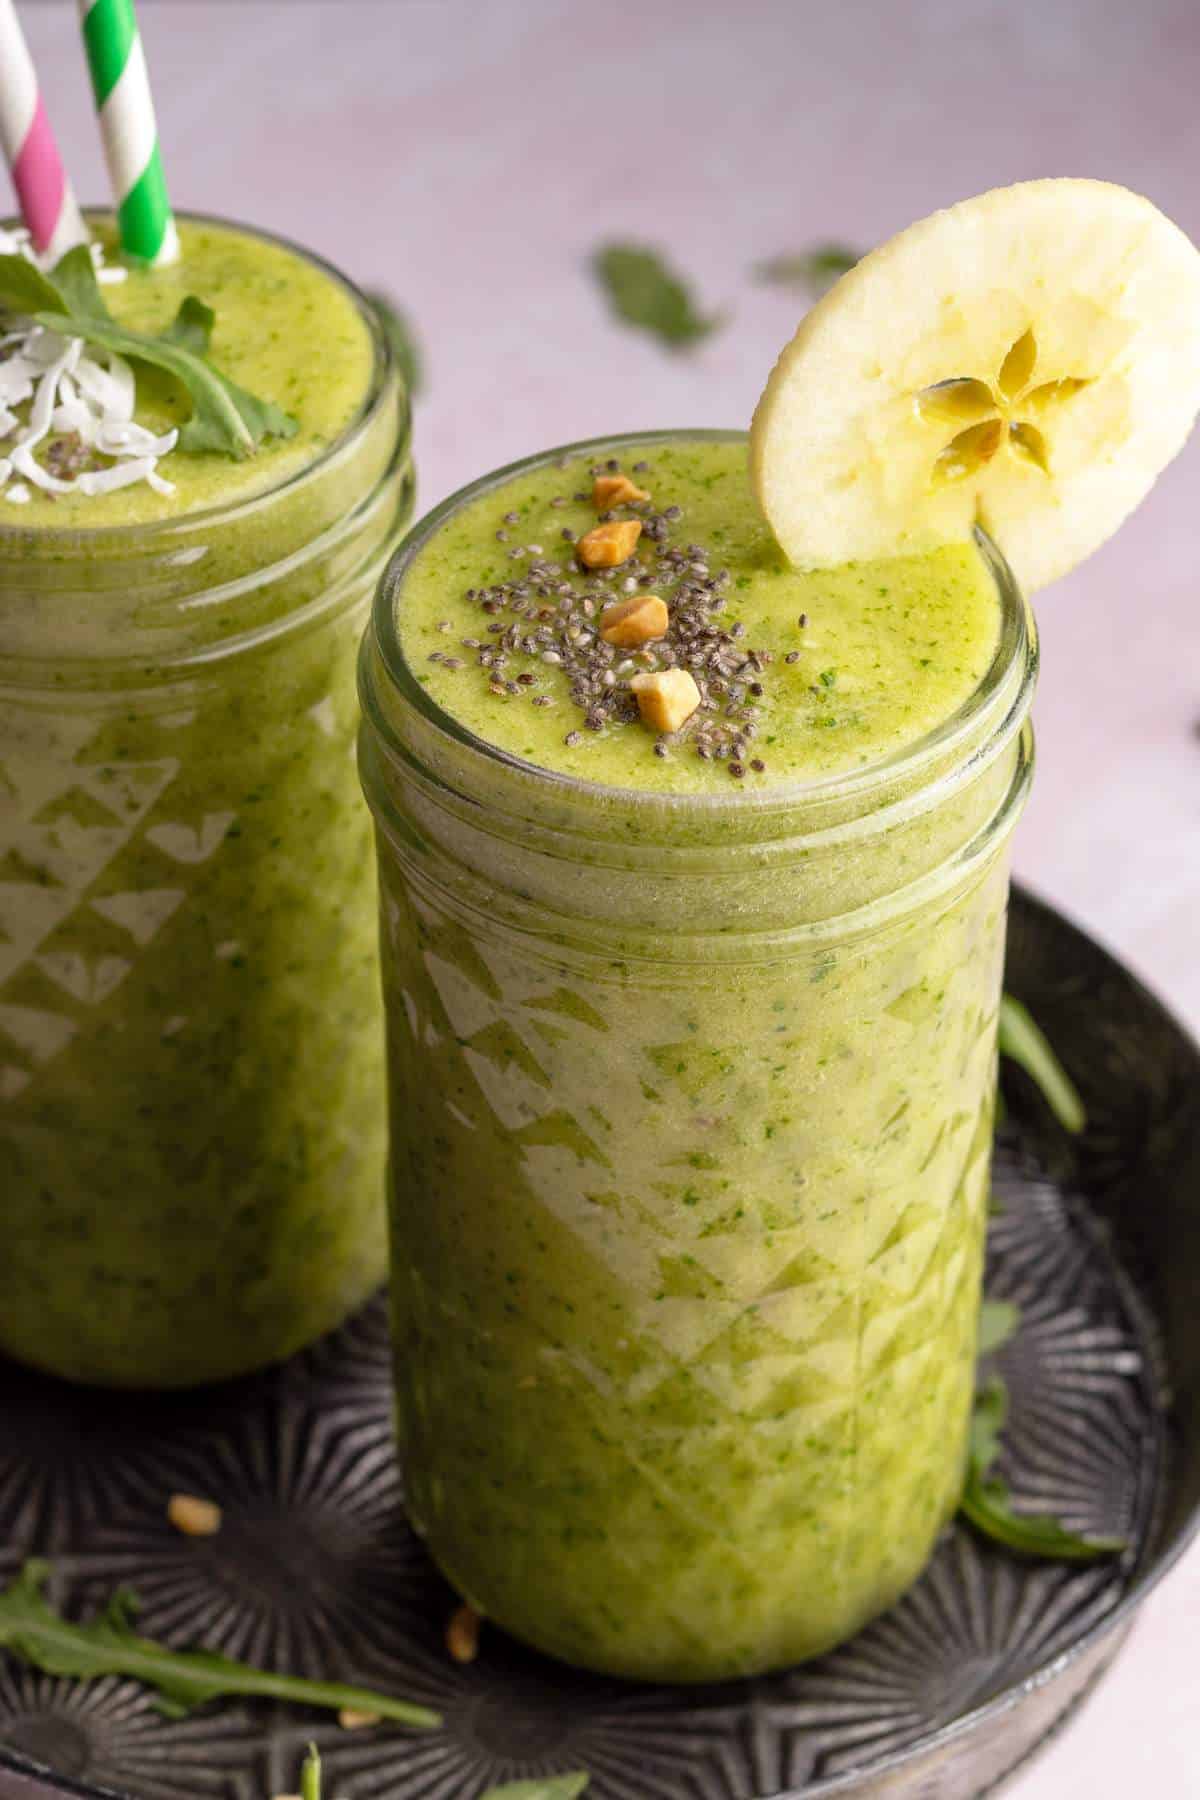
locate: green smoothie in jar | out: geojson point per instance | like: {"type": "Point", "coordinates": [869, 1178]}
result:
{"type": "Point", "coordinates": [191, 1132]}
{"type": "Point", "coordinates": [692, 1042]}
{"type": "Point", "coordinates": [694, 764]}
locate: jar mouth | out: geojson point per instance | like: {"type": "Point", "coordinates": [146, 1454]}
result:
{"type": "Point", "coordinates": [161, 532]}
{"type": "Point", "coordinates": [1013, 667]}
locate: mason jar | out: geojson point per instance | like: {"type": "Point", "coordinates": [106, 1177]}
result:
{"type": "Point", "coordinates": [191, 1086]}
{"type": "Point", "coordinates": [691, 1111]}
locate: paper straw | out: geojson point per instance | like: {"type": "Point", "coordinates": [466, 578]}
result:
{"type": "Point", "coordinates": [122, 88]}
{"type": "Point", "coordinates": [43, 192]}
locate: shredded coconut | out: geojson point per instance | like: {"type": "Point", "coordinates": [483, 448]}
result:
{"type": "Point", "coordinates": [72, 392]}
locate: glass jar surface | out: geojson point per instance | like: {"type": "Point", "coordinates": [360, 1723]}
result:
{"type": "Point", "coordinates": [191, 1088]}
{"type": "Point", "coordinates": [691, 1109]}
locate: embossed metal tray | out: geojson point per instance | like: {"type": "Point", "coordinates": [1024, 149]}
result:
{"type": "Point", "coordinates": [315, 1570]}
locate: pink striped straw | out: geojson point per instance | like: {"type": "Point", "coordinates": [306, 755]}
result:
{"type": "Point", "coordinates": [48, 205]}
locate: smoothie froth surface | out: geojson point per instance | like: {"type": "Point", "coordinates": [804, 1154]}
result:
{"type": "Point", "coordinates": [888, 651]}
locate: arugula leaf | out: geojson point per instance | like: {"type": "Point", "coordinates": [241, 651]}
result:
{"type": "Point", "coordinates": [998, 1321]}
{"type": "Point", "coordinates": [986, 1500]}
{"type": "Point", "coordinates": [646, 293]}
{"type": "Point", "coordinates": [988, 1417]}
{"type": "Point", "coordinates": [1026, 1044]}
{"type": "Point", "coordinates": [23, 288]}
{"type": "Point", "coordinates": [75, 278]}
{"type": "Point", "coordinates": [191, 328]}
{"type": "Point", "coordinates": [184, 1679]}
{"type": "Point", "coordinates": [310, 1775]}
{"type": "Point", "coordinates": [225, 417]}
{"type": "Point", "coordinates": [401, 335]}
{"type": "Point", "coordinates": [816, 269]}
{"type": "Point", "coordinates": [543, 1787]}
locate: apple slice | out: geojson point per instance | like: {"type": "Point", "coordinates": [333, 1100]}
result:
{"type": "Point", "coordinates": [1028, 361]}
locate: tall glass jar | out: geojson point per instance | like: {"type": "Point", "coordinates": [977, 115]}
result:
{"type": "Point", "coordinates": [191, 1087]}
{"type": "Point", "coordinates": [691, 1111]}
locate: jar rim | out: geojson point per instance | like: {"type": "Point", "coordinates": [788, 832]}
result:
{"type": "Point", "coordinates": [1015, 650]}
{"type": "Point", "coordinates": [156, 532]}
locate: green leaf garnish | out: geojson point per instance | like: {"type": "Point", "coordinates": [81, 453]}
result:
{"type": "Point", "coordinates": [310, 1775]}
{"type": "Point", "coordinates": [986, 1501]}
{"type": "Point", "coordinates": [24, 289]}
{"type": "Point", "coordinates": [998, 1321]}
{"type": "Point", "coordinates": [542, 1787]}
{"type": "Point", "coordinates": [401, 336]}
{"type": "Point", "coordinates": [183, 1679]}
{"type": "Point", "coordinates": [225, 418]}
{"type": "Point", "coordinates": [646, 293]}
{"type": "Point", "coordinates": [191, 328]}
{"type": "Point", "coordinates": [1026, 1044]}
{"type": "Point", "coordinates": [816, 269]}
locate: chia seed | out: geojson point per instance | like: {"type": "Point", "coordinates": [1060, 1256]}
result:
{"type": "Point", "coordinates": [550, 617]}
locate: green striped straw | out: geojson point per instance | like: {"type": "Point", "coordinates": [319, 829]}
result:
{"type": "Point", "coordinates": [122, 87]}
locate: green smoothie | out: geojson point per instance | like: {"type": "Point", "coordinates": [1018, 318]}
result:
{"type": "Point", "coordinates": [691, 1061]}
{"type": "Point", "coordinates": [887, 651]}
{"type": "Point", "coordinates": [191, 1132]}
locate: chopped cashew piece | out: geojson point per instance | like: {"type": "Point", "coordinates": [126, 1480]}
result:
{"type": "Point", "coordinates": [462, 1634]}
{"type": "Point", "coordinates": [604, 546]}
{"type": "Point", "coordinates": [666, 699]}
{"type": "Point", "coordinates": [192, 1516]}
{"type": "Point", "coordinates": [634, 622]}
{"type": "Point", "coordinates": [351, 1720]}
{"type": "Point", "coordinates": [615, 490]}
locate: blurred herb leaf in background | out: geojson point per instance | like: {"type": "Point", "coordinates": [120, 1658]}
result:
{"type": "Point", "coordinates": [645, 292]}
{"type": "Point", "coordinates": [815, 269]}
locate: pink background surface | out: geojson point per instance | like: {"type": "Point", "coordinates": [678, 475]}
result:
{"type": "Point", "coordinates": [468, 156]}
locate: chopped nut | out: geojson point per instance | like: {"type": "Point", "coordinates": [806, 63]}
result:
{"type": "Point", "coordinates": [462, 1634]}
{"type": "Point", "coordinates": [351, 1720]}
{"type": "Point", "coordinates": [633, 622]}
{"type": "Point", "coordinates": [194, 1517]}
{"type": "Point", "coordinates": [605, 546]}
{"type": "Point", "coordinates": [615, 490]}
{"type": "Point", "coordinates": [666, 699]}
